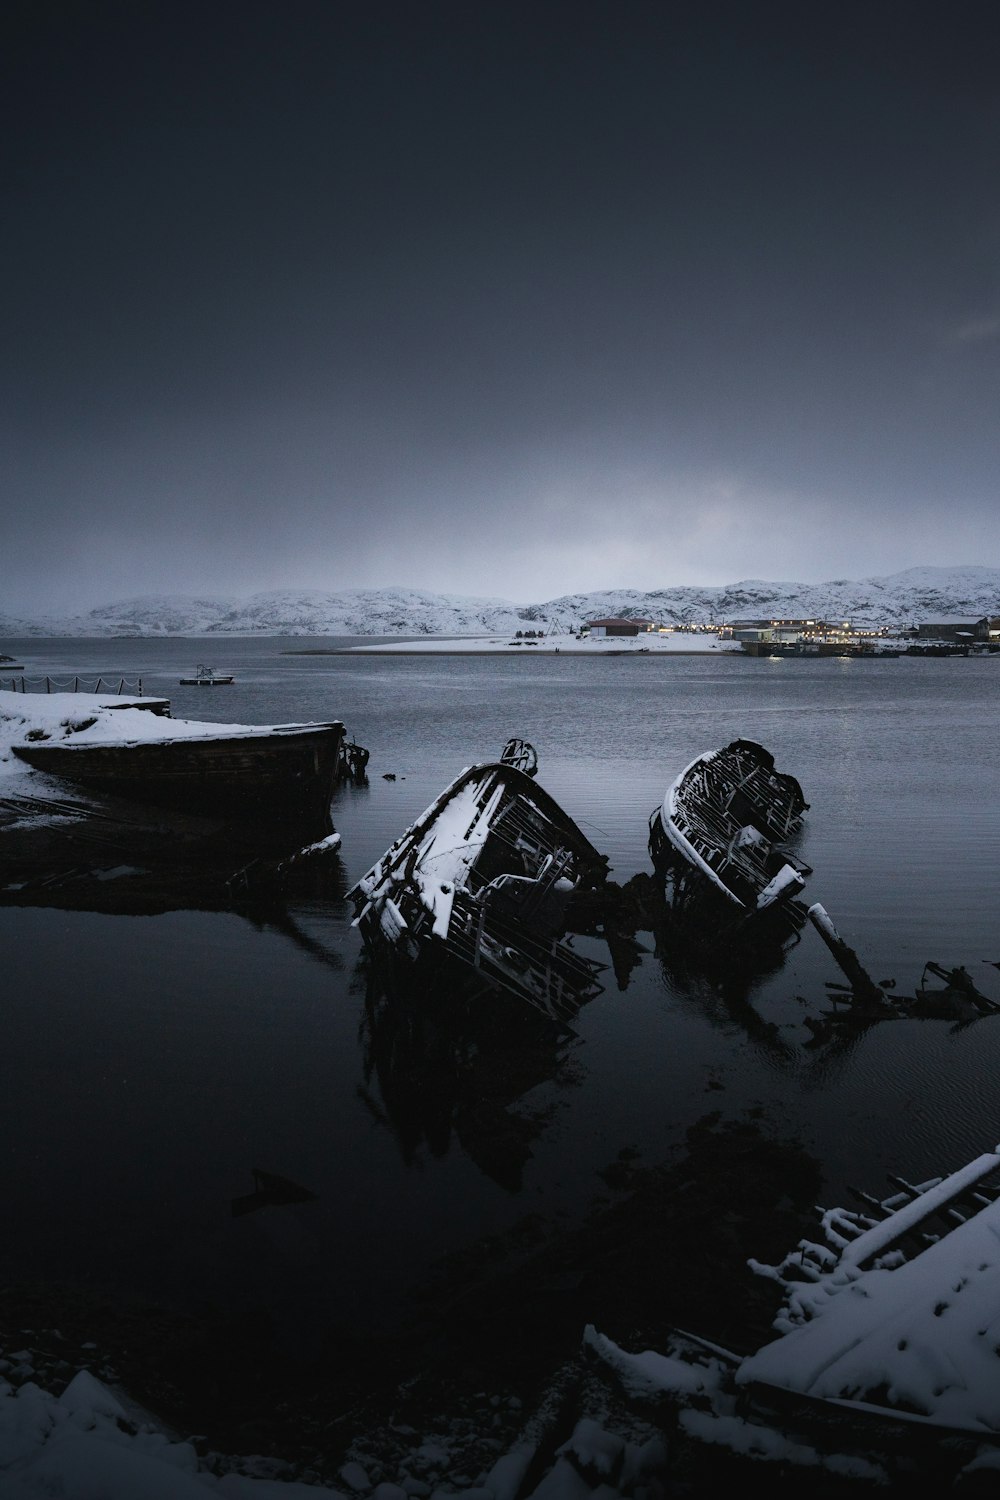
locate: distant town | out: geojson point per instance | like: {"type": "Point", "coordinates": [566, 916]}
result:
{"type": "Point", "coordinates": [820, 637]}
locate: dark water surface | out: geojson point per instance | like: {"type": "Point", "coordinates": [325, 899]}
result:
{"type": "Point", "coordinates": [149, 1063]}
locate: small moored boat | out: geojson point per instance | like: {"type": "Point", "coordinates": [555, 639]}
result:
{"type": "Point", "coordinates": [724, 822]}
{"type": "Point", "coordinates": [207, 677]}
{"type": "Point", "coordinates": [484, 878]}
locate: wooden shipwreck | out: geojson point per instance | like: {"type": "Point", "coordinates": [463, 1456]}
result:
{"type": "Point", "coordinates": [483, 880]}
{"type": "Point", "coordinates": [719, 838]}
{"type": "Point", "coordinates": [887, 1356]}
{"type": "Point", "coordinates": [896, 1312]}
{"type": "Point", "coordinates": [204, 767]}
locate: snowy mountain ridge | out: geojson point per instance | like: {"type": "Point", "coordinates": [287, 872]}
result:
{"type": "Point", "coordinates": [898, 599]}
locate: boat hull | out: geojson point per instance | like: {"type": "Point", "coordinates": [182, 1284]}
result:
{"type": "Point", "coordinates": [724, 821]}
{"type": "Point", "coordinates": [283, 768]}
{"type": "Point", "coordinates": [482, 881]}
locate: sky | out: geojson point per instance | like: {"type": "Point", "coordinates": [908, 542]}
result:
{"type": "Point", "coordinates": [512, 300]}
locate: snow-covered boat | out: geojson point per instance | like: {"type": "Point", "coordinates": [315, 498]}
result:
{"type": "Point", "coordinates": [894, 1313]}
{"type": "Point", "coordinates": [722, 826]}
{"type": "Point", "coordinates": [885, 1361]}
{"type": "Point", "coordinates": [484, 879]}
{"type": "Point", "coordinates": [884, 1366]}
{"type": "Point", "coordinates": [204, 767]}
{"type": "Point", "coordinates": [207, 677]}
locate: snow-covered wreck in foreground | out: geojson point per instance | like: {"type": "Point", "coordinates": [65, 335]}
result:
{"type": "Point", "coordinates": [883, 1379]}
{"type": "Point", "coordinates": [483, 879]}
{"type": "Point", "coordinates": [888, 1350]}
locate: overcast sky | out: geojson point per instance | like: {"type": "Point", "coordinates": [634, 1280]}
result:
{"type": "Point", "coordinates": [501, 299]}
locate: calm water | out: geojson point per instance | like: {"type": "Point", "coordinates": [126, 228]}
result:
{"type": "Point", "coordinates": [149, 1063]}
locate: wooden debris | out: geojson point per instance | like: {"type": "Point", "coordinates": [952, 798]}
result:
{"type": "Point", "coordinates": [865, 993]}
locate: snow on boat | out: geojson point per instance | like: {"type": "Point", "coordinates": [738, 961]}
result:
{"type": "Point", "coordinates": [886, 1348]}
{"type": "Point", "coordinates": [484, 878]}
{"type": "Point", "coordinates": [895, 1311]}
{"type": "Point", "coordinates": [724, 822]}
{"type": "Point", "coordinates": [218, 768]}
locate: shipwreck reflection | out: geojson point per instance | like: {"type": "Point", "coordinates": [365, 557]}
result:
{"type": "Point", "coordinates": [722, 982]}
{"type": "Point", "coordinates": [442, 1067]}
{"type": "Point", "coordinates": [715, 967]}
{"type": "Point", "coordinates": [125, 858]}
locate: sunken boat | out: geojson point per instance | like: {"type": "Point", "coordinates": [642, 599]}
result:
{"type": "Point", "coordinates": [216, 768]}
{"type": "Point", "coordinates": [483, 882]}
{"type": "Point", "coordinates": [719, 837]}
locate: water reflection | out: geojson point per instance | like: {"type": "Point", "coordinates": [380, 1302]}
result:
{"type": "Point", "coordinates": [288, 917]}
{"type": "Point", "coordinates": [441, 1065]}
{"type": "Point", "coordinates": [705, 961]}
{"type": "Point", "coordinates": [124, 858]}
{"type": "Point", "coordinates": [722, 983]}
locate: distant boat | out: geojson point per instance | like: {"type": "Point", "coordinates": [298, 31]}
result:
{"type": "Point", "coordinates": [207, 768]}
{"type": "Point", "coordinates": [207, 677]}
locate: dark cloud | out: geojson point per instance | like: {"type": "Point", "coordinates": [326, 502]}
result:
{"type": "Point", "coordinates": [371, 294]}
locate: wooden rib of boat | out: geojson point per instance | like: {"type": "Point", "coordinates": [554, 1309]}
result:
{"type": "Point", "coordinates": [724, 821]}
{"type": "Point", "coordinates": [484, 878]}
{"type": "Point", "coordinates": [889, 1320]}
{"type": "Point", "coordinates": [272, 768]}
{"type": "Point", "coordinates": [886, 1346]}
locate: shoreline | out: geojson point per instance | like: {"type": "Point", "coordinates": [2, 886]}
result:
{"type": "Point", "coordinates": [498, 651]}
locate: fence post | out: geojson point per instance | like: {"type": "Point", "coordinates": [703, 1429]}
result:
{"type": "Point", "coordinates": [47, 688]}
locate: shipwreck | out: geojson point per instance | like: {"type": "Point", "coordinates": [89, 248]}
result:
{"type": "Point", "coordinates": [180, 763]}
{"type": "Point", "coordinates": [719, 838]}
{"type": "Point", "coordinates": [886, 1353]}
{"type": "Point", "coordinates": [483, 883]}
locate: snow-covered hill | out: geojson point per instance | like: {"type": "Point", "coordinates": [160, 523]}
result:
{"type": "Point", "coordinates": [899, 599]}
